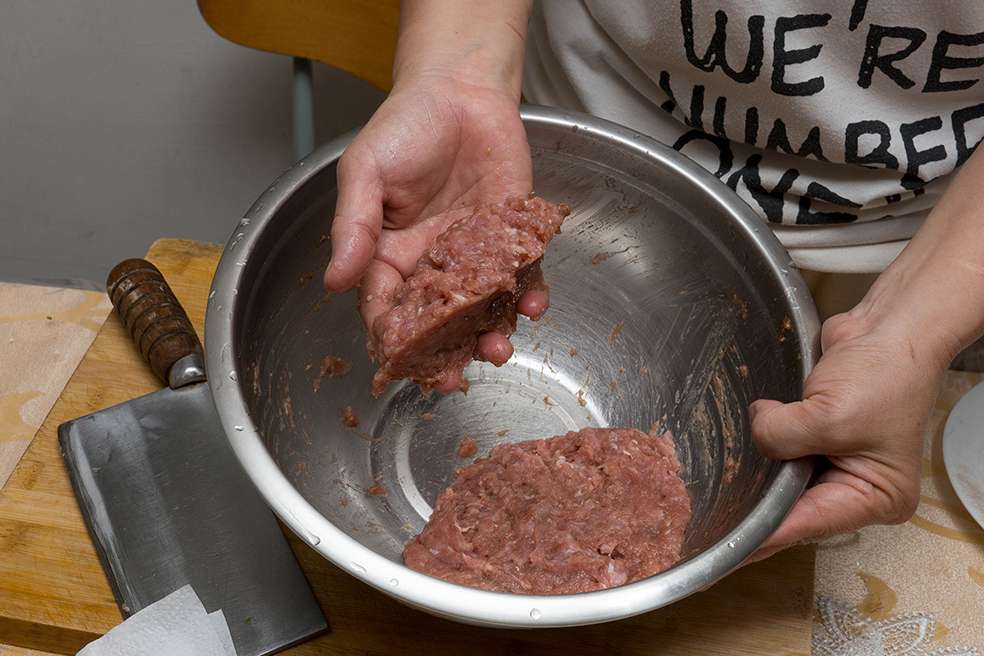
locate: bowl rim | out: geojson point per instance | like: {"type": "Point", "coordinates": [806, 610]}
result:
{"type": "Point", "coordinates": [451, 600]}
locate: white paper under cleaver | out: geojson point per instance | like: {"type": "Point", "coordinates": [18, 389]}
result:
{"type": "Point", "coordinates": [164, 498]}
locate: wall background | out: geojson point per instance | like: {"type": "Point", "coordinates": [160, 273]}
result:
{"type": "Point", "coordinates": [123, 121]}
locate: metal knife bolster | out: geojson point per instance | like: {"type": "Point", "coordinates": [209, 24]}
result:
{"type": "Point", "coordinates": [186, 371]}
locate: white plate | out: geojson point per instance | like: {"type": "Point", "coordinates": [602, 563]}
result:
{"type": "Point", "coordinates": [963, 451]}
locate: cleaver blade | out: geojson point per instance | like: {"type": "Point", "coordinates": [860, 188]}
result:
{"type": "Point", "coordinates": [167, 504]}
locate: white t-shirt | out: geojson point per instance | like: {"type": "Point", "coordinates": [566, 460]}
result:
{"type": "Point", "coordinates": [839, 122]}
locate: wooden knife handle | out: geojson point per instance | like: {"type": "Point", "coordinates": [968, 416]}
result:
{"type": "Point", "coordinates": [152, 315]}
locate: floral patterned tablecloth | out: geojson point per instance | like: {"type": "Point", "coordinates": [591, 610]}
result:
{"type": "Point", "coordinates": [908, 590]}
{"type": "Point", "coordinates": [912, 589]}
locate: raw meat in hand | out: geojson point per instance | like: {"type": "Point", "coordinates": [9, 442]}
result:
{"type": "Point", "coordinates": [465, 285]}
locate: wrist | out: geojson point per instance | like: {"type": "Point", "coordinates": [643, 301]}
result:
{"type": "Point", "coordinates": [926, 313]}
{"type": "Point", "coordinates": [471, 73]}
{"type": "Point", "coordinates": [478, 44]}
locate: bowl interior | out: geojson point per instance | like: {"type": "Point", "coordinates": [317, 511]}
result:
{"type": "Point", "coordinates": [664, 310]}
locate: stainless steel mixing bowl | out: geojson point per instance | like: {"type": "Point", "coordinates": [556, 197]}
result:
{"type": "Point", "coordinates": [671, 303]}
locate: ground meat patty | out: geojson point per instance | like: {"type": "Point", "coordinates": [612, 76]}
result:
{"type": "Point", "coordinates": [465, 285]}
{"type": "Point", "coordinates": [579, 512]}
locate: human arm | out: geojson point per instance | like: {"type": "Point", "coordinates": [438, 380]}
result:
{"type": "Point", "coordinates": [448, 137]}
{"type": "Point", "coordinates": [867, 402]}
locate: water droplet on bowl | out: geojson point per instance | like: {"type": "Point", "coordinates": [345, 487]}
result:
{"type": "Point", "coordinates": [358, 568]}
{"type": "Point", "coordinates": [240, 428]}
{"type": "Point", "coordinates": [211, 295]}
{"type": "Point", "coordinates": [244, 222]}
{"type": "Point", "coordinates": [731, 545]}
{"type": "Point", "coordinates": [536, 614]}
{"type": "Point", "coordinates": [394, 582]}
{"type": "Point", "coordinates": [306, 534]}
{"type": "Point", "coordinates": [232, 376]}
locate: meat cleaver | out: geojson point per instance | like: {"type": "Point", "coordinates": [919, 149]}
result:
{"type": "Point", "coordinates": [165, 500]}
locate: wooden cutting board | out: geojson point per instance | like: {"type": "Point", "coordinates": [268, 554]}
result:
{"type": "Point", "coordinates": [54, 596]}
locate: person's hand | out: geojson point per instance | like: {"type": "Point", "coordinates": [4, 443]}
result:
{"type": "Point", "coordinates": [865, 408]}
{"type": "Point", "coordinates": [436, 147]}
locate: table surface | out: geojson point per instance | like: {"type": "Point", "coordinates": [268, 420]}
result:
{"type": "Point", "coordinates": [926, 576]}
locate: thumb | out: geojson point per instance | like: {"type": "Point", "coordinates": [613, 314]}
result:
{"type": "Point", "coordinates": [358, 219]}
{"type": "Point", "coordinates": [785, 431]}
